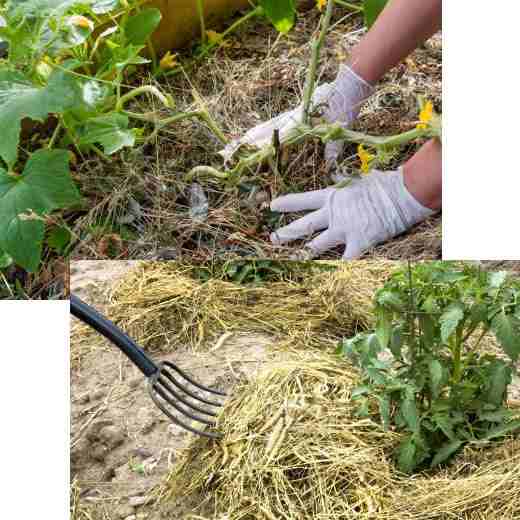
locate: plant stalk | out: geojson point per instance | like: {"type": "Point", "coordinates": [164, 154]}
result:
{"type": "Point", "coordinates": [317, 45]}
{"type": "Point", "coordinates": [150, 89]}
{"type": "Point", "coordinates": [200, 10]}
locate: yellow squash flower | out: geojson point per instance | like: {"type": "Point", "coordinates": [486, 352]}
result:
{"type": "Point", "coordinates": [366, 158]}
{"type": "Point", "coordinates": [426, 116]}
{"type": "Point", "coordinates": [215, 38]}
{"type": "Point", "coordinates": [168, 61]}
{"type": "Point", "coordinates": [321, 4]}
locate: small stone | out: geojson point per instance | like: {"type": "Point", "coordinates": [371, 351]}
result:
{"type": "Point", "coordinates": [142, 453]}
{"type": "Point", "coordinates": [112, 436]}
{"type": "Point", "coordinates": [97, 394]}
{"type": "Point", "coordinates": [98, 453]}
{"type": "Point", "coordinates": [84, 399]}
{"type": "Point", "coordinates": [141, 516]}
{"type": "Point", "coordinates": [125, 511]}
{"type": "Point", "coordinates": [137, 501]}
{"type": "Point", "coordinates": [134, 383]}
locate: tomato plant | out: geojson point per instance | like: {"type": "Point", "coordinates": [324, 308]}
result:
{"type": "Point", "coordinates": [433, 383]}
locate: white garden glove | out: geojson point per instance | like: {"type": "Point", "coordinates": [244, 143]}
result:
{"type": "Point", "coordinates": [369, 211]}
{"type": "Point", "coordinates": [339, 101]}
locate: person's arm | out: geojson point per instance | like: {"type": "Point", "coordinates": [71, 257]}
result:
{"type": "Point", "coordinates": [400, 29]}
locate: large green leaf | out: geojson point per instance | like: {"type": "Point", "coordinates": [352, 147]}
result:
{"type": "Point", "coordinates": [499, 377]}
{"type": "Point", "coordinates": [445, 452]}
{"type": "Point", "coordinates": [140, 26]}
{"type": "Point", "coordinates": [44, 186]}
{"type": "Point", "coordinates": [383, 326]}
{"type": "Point", "coordinates": [111, 131]}
{"type": "Point", "coordinates": [20, 99]}
{"type": "Point", "coordinates": [450, 320]}
{"type": "Point", "coordinates": [281, 13]}
{"type": "Point", "coordinates": [507, 331]}
{"type": "Point", "coordinates": [372, 10]}
{"type": "Point", "coordinates": [436, 377]}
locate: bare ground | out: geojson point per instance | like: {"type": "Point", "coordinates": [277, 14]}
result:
{"type": "Point", "coordinates": [139, 202]}
{"type": "Point", "coordinates": [121, 445]}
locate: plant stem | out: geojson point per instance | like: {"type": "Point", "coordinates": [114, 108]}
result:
{"type": "Point", "coordinates": [200, 10]}
{"type": "Point", "coordinates": [54, 135]}
{"type": "Point", "coordinates": [317, 44]}
{"type": "Point", "coordinates": [150, 89]}
{"type": "Point", "coordinates": [355, 7]}
{"type": "Point", "coordinates": [411, 315]}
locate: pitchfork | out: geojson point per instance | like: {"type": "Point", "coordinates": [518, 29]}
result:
{"type": "Point", "coordinates": [168, 385]}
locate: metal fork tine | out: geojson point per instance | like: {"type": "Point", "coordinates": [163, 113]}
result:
{"type": "Point", "coordinates": [192, 381]}
{"type": "Point", "coordinates": [172, 391]}
{"type": "Point", "coordinates": [179, 408]}
{"type": "Point", "coordinates": [188, 392]}
{"type": "Point", "coordinates": [176, 420]}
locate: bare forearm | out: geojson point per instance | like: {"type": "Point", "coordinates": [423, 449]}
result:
{"type": "Point", "coordinates": [400, 29]}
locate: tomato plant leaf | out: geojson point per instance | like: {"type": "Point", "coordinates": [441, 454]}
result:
{"type": "Point", "coordinates": [407, 455]}
{"type": "Point", "coordinates": [110, 131]}
{"type": "Point", "coordinates": [19, 98]}
{"type": "Point", "coordinates": [507, 331]}
{"type": "Point", "coordinates": [372, 9]}
{"type": "Point", "coordinates": [498, 379]}
{"type": "Point", "coordinates": [445, 452]}
{"type": "Point", "coordinates": [281, 13]}
{"type": "Point", "coordinates": [501, 431]}
{"type": "Point", "coordinates": [5, 260]}
{"type": "Point", "coordinates": [44, 186]}
{"type": "Point", "coordinates": [436, 377]}
{"type": "Point", "coordinates": [409, 411]}
{"type": "Point", "coordinates": [497, 279]}
{"type": "Point", "coordinates": [450, 320]}
{"type": "Point", "coordinates": [383, 326]}
{"type": "Point", "coordinates": [140, 26]}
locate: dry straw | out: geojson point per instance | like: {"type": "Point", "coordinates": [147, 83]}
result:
{"type": "Point", "coordinates": [162, 304]}
{"type": "Point", "coordinates": [293, 448]}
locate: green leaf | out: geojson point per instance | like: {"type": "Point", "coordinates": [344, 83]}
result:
{"type": "Point", "coordinates": [445, 424]}
{"type": "Point", "coordinates": [389, 300]}
{"type": "Point", "coordinates": [501, 431]}
{"type": "Point", "coordinates": [104, 6]}
{"type": "Point", "coordinates": [498, 379]}
{"type": "Point", "coordinates": [20, 99]}
{"type": "Point", "coordinates": [497, 279]}
{"type": "Point", "coordinates": [428, 331]}
{"type": "Point", "coordinates": [409, 411]}
{"type": "Point", "coordinates": [450, 320]}
{"type": "Point", "coordinates": [44, 186]}
{"type": "Point", "coordinates": [507, 331]}
{"type": "Point", "coordinates": [372, 10]}
{"type": "Point", "coordinates": [140, 26]}
{"type": "Point", "coordinates": [58, 239]}
{"type": "Point", "coordinates": [445, 452]}
{"type": "Point", "coordinates": [436, 377]}
{"type": "Point", "coordinates": [383, 326]}
{"type": "Point", "coordinates": [497, 416]}
{"type": "Point", "coordinates": [408, 455]}
{"type": "Point", "coordinates": [281, 13]}
{"type": "Point", "coordinates": [396, 343]}
{"type": "Point", "coordinates": [5, 260]}
{"type": "Point", "coordinates": [111, 131]}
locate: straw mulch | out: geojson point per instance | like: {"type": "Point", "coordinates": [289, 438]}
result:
{"type": "Point", "coordinates": [162, 304]}
{"type": "Point", "coordinates": [293, 448]}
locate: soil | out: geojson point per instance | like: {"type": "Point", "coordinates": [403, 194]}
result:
{"type": "Point", "coordinates": [122, 446]}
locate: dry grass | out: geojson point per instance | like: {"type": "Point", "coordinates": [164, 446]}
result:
{"type": "Point", "coordinates": [161, 304]}
{"type": "Point", "coordinates": [139, 202]}
{"type": "Point", "coordinates": [294, 448]}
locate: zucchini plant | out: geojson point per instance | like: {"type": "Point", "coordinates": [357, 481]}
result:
{"type": "Point", "coordinates": [422, 367]}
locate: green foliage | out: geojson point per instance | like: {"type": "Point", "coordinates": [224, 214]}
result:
{"type": "Point", "coordinates": [44, 186]}
{"type": "Point", "coordinates": [372, 9]}
{"type": "Point", "coordinates": [67, 65]}
{"type": "Point", "coordinates": [281, 13]}
{"type": "Point", "coordinates": [422, 366]}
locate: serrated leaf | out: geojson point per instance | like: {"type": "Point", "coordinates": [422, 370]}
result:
{"type": "Point", "coordinates": [407, 455]}
{"type": "Point", "coordinates": [383, 326]}
{"type": "Point", "coordinates": [140, 27]}
{"type": "Point", "coordinates": [450, 320]}
{"type": "Point", "coordinates": [503, 430]}
{"type": "Point", "coordinates": [44, 186]}
{"type": "Point", "coordinates": [507, 331]}
{"type": "Point", "coordinates": [499, 377]}
{"type": "Point", "coordinates": [373, 9]}
{"type": "Point", "coordinates": [497, 416]}
{"type": "Point", "coordinates": [445, 424]}
{"type": "Point", "coordinates": [445, 452]}
{"type": "Point", "coordinates": [281, 13]}
{"type": "Point", "coordinates": [19, 99]}
{"type": "Point", "coordinates": [436, 377]}
{"type": "Point", "coordinates": [409, 411]}
{"type": "Point", "coordinates": [111, 131]}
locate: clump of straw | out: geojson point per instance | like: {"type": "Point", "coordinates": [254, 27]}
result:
{"type": "Point", "coordinates": [294, 448]}
{"type": "Point", "coordinates": [162, 304]}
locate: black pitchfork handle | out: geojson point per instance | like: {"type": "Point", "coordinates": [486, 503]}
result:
{"type": "Point", "coordinates": [105, 327]}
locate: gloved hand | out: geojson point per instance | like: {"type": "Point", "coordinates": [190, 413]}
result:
{"type": "Point", "coordinates": [339, 101]}
{"type": "Point", "coordinates": [369, 211]}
